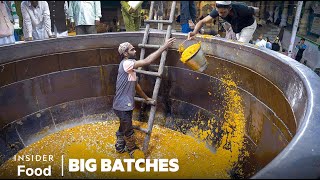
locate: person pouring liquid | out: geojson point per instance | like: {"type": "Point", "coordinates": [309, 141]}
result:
{"type": "Point", "coordinates": [239, 15]}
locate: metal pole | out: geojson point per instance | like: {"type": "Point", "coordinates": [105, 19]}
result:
{"type": "Point", "coordinates": [295, 27]}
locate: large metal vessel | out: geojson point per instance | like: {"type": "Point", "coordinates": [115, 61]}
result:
{"type": "Point", "coordinates": [50, 83]}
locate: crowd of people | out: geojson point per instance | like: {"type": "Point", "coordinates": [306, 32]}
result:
{"type": "Point", "coordinates": [276, 46]}
{"type": "Point", "coordinates": [265, 43]}
{"type": "Point", "coordinates": [51, 19]}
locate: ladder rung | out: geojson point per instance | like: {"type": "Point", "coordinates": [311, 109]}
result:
{"type": "Point", "coordinates": [158, 21]}
{"type": "Point", "coordinates": [149, 46]}
{"type": "Point", "coordinates": [147, 72]}
{"type": "Point", "coordinates": [143, 100]}
{"type": "Point", "coordinates": [141, 129]}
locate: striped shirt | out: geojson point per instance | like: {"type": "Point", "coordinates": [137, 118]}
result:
{"type": "Point", "coordinates": [36, 21]}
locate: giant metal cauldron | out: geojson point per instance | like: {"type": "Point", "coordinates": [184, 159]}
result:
{"type": "Point", "coordinates": [50, 83]}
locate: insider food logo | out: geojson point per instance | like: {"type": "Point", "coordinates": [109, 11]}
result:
{"type": "Point", "coordinates": [92, 165]}
{"type": "Point", "coordinates": [30, 171]}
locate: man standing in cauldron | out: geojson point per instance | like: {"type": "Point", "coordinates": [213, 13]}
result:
{"type": "Point", "coordinates": [126, 87]}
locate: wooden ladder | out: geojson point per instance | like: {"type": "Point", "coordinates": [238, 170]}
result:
{"type": "Point", "coordinates": [158, 74]}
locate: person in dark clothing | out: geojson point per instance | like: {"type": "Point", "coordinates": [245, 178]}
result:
{"type": "Point", "coordinates": [240, 16]}
{"type": "Point", "coordinates": [187, 16]}
{"type": "Point", "coordinates": [276, 45]}
{"type": "Point", "coordinates": [178, 19]}
{"type": "Point", "coordinates": [58, 16]}
{"type": "Point", "coordinates": [301, 47]}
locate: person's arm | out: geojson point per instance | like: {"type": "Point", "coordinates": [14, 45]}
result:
{"type": "Point", "coordinates": [198, 27]}
{"type": "Point", "coordinates": [27, 25]}
{"type": "Point", "coordinates": [97, 6]}
{"type": "Point", "coordinates": [141, 92]}
{"type": "Point", "coordinates": [46, 18]}
{"type": "Point", "coordinates": [152, 57]}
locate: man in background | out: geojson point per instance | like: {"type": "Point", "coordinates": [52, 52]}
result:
{"type": "Point", "coordinates": [301, 47]}
{"type": "Point", "coordinates": [260, 42]}
{"type": "Point", "coordinates": [84, 16]}
{"type": "Point", "coordinates": [276, 45]}
{"type": "Point", "coordinates": [187, 16]}
{"type": "Point", "coordinates": [36, 20]}
{"type": "Point", "coordinates": [58, 16]}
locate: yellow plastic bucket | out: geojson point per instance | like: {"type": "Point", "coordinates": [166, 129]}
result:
{"type": "Point", "coordinates": [194, 57]}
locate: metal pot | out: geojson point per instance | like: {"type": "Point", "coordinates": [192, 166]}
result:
{"type": "Point", "coordinates": [198, 61]}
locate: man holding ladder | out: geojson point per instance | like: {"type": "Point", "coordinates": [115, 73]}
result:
{"type": "Point", "coordinates": [126, 87]}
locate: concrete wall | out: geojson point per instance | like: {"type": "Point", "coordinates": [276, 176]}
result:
{"type": "Point", "coordinates": [311, 54]}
